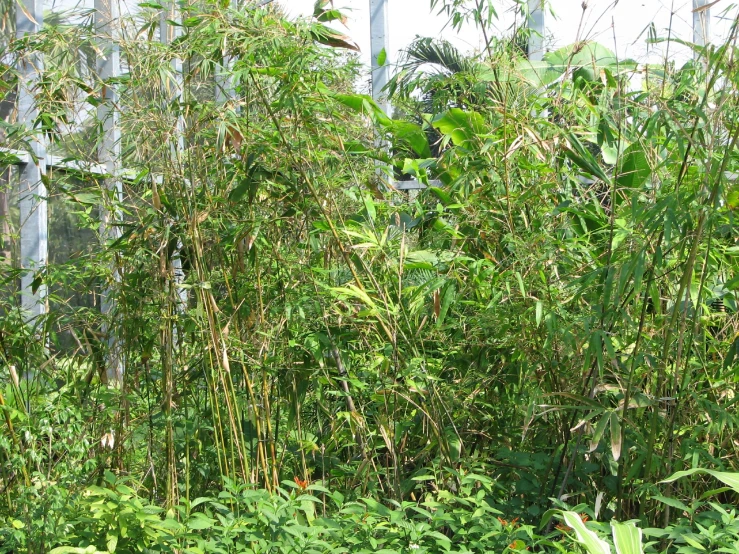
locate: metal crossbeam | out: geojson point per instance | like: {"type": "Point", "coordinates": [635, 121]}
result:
{"type": "Point", "coordinates": [415, 184]}
{"type": "Point", "coordinates": [34, 247]}
{"type": "Point", "coordinates": [60, 163]}
{"type": "Point", "coordinates": [16, 157]}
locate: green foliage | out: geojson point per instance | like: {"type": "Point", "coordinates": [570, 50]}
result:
{"type": "Point", "coordinates": [728, 478]}
{"type": "Point", "coordinates": [553, 324]}
{"type": "Point", "coordinates": [111, 518]}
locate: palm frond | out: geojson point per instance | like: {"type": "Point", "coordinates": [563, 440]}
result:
{"type": "Point", "coordinates": [429, 54]}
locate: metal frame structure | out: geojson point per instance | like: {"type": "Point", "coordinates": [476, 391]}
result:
{"type": "Point", "coordinates": [34, 247]}
{"type": "Point", "coordinates": [701, 23]}
{"type": "Point", "coordinates": [34, 165]}
{"type": "Point", "coordinates": [537, 27]}
{"type": "Point", "coordinates": [169, 31]}
{"type": "Point", "coordinates": [380, 32]}
{"type": "Point", "coordinates": [379, 43]}
{"type": "Point", "coordinates": [109, 155]}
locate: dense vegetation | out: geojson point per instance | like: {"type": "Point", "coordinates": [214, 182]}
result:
{"type": "Point", "coordinates": [317, 362]}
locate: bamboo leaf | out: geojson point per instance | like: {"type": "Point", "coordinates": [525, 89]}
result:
{"type": "Point", "coordinates": [727, 478]}
{"type": "Point", "coordinates": [584, 159]}
{"type": "Point", "coordinates": [330, 37]}
{"type": "Point", "coordinates": [615, 436]}
{"type": "Point", "coordinates": [672, 502]}
{"type": "Point", "coordinates": [447, 297]}
{"type": "Point", "coordinates": [598, 432]}
{"type": "Point", "coordinates": [539, 312]}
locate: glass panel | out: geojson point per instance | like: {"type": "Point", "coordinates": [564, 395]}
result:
{"type": "Point", "coordinates": [73, 243]}
{"type": "Point", "coordinates": [125, 7]}
{"type": "Point", "coordinates": [9, 236]}
{"type": "Point", "coordinates": [67, 5]}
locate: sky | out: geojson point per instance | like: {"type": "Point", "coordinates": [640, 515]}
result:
{"type": "Point", "coordinates": [617, 24]}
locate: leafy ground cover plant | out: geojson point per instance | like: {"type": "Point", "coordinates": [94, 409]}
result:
{"type": "Point", "coordinates": [295, 517]}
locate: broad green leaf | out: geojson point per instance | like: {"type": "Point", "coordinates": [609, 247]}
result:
{"type": "Point", "coordinates": [440, 539]}
{"type": "Point", "coordinates": [331, 15]}
{"type": "Point", "coordinates": [587, 60]}
{"type": "Point", "coordinates": [633, 167]}
{"type": "Point", "coordinates": [462, 126]}
{"type": "Point", "coordinates": [589, 56]}
{"type": "Point", "coordinates": [422, 256]}
{"type": "Point", "coordinates": [732, 198]}
{"type": "Point", "coordinates": [199, 501]}
{"type": "Point", "coordinates": [454, 442]}
{"type": "Point", "coordinates": [363, 104]}
{"type": "Point", "coordinates": [592, 543]}
{"type": "Point", "coordinates": [627, 538]}
{"type": "Point", "coordinates": [538, 73]}
{"type": "Point", "coordinates": [443, 196]}
{"type": "Point", "coordinates": [405, 131]}
{"type": "Point", "coordinates": [610, 154]}
{"type": "Point", "coordinates": [191, 22]}
{"type": "Point", "coordinates": [352, 291]}
{"type": "Point", "coordinates": [412, 134]}
{"type": "Point", "coordinates": [200, 521]}
{"type": "Point", "coordinates": [111, 542]}
{"type": "Point", "coordinates": [319, 7]}
{"type": "Point", "coordinates": [369, 205]}
{"type": "Point", "coordinates": [695, 544]}
{"type": "Point", "coordinates": [382, 57]}
{"type": "Point", "coordinates": [521, 285]}
{"type": "Point", "coordinates": [86, 198]}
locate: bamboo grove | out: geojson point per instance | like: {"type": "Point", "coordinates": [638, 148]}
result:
{"type": "Point", "coordinates": [551, 324]}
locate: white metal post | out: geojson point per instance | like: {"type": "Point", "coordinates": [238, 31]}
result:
{"type": "Point", "coordinates": [379, 32]}
{"type": "Point", "coordinates": [701, 22]}
{"type": "Point", "coordinates": [109, 153]}
{"type": "Point", "coordinates": [225, 85]}
{"type": "Point", "coordinates": [536, 25]}
{"type": "Point", "coordinates": [167, 34]}
{"type": "Point", "coordinates": [379, 47]}
{"type": "Point", "coordinates": [32, 191]}
{"type": "Point", "coordinates": [108, 68]}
